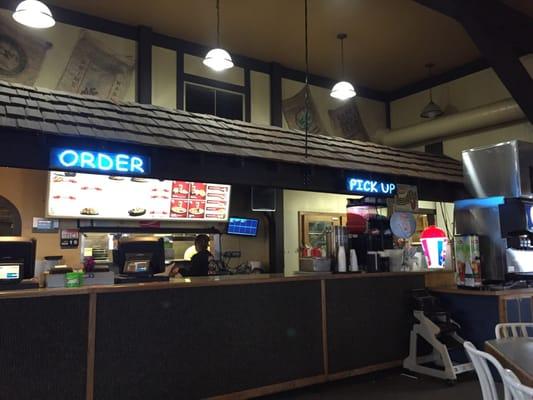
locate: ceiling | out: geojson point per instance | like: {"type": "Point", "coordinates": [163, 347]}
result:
{"type": "Point", "coordinates": [388, 43]}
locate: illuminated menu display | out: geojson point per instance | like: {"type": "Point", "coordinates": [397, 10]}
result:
{"type": "Point", "coordinates": [78, 195]}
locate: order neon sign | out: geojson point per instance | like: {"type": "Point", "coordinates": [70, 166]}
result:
{"type": "Point", "coordinates": [84, 160]}
{"type": "Point", "coordinates": [371, 187]}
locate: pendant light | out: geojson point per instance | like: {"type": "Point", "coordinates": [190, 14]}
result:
{"type": "Point", "coordinates": [306, 88]}
{"type": "Point", "coordinates": [342, 90]}
{"type": "Point", "coordinates": [218, 59]}
{"type": "Point", "coordinates": [34, 14]}
{"type": "Point", "coordinates": [431, 110]}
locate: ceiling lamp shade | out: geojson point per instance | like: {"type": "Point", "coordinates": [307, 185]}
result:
{"type": "Point", "coordinates": [342, 90]}
{"type": "Point", "coordinates": [431, 110]}
{"type": "Point", "coordinates": [34, 14]}
{"type": "Point", "coordinates": [218, 60]}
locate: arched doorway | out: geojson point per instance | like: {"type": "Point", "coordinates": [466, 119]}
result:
{"type": "Point", "coordinates": [10, 222]}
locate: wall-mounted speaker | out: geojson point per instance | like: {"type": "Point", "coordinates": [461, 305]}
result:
{"type": "Point", "coordinates": [263, 199]}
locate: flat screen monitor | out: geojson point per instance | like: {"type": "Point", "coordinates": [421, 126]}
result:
{"type": "Point", "coordinates": [242, 226]}
{"type": "Point", "coordinates": [140, 255]}
{"type": "Point", "coordinates": [15, 250]}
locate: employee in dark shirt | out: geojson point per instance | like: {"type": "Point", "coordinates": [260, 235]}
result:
{"type": "Point", "coordinates": [200, 261]}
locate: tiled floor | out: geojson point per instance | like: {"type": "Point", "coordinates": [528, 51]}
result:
{"type": "Point", "coordinates": [390, 385]}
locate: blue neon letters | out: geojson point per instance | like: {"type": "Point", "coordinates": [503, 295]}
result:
{"type": "Point", "coordinates": [367, 186]}
{"type": "Point", "coordinates": [82, 160]}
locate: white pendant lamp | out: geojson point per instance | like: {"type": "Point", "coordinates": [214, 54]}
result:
{"type": "Point", "coordinates": [342, 90]}
{"type": "Point", "coordinates": [34, 14]}
{"type": "Point", "coordinates": [218, 59]}
{"type": "Point", "coordinates": [431, 110]}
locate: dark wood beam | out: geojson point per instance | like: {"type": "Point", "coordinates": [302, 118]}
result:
{"type": "Point", "coordinates": [144, 65]}
{"type": "Point", "coordinates": [500, 33]}
{"type": "Point", "coordinates": [276, 115]}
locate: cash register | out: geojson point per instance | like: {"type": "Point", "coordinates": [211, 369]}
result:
{"type": "Point", "coordinates": [17, 263]}
{"type": "Point", "coordinates": [140, 259]}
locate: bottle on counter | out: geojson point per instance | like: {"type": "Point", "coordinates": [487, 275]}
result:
{"type": "Point", "coordinates": [341, 259]}
{"type": "Point", "coordinates": [354, 264]}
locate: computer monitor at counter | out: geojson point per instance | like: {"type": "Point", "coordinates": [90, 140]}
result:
{"type": "Point", "coordinates": [140, 255]}
{"type": "Point", "coordinates": [15, 250]}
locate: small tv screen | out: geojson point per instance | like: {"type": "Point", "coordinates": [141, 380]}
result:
{"type": "Point", "coordinates": [242, 226]}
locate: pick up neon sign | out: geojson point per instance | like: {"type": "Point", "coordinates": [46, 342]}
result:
{"type": "Point", "coordinates": [370, 187]}
{"type": "Point", "coordinates": [93, 161]}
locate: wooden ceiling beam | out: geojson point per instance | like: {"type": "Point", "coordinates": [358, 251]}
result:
{"type": "Point", "coordinates": [501, 34]}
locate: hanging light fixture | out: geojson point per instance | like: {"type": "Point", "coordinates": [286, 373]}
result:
{"type": "Point", "coordinates": [306, 88]}
{"type": "Point", "coordinates": [342, 90]}
{"type": "Point", "coordinates": [34, 14]}
{"type": "Point", "coordinates": [431, 110]}
{"type": "Point", "coordinates": [218, 59]}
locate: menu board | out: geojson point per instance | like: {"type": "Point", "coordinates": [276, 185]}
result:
{"type": "Point", "coordinates": [77, 195]}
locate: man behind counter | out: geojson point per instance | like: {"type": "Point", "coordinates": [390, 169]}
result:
{"type": "Point", "coordinates": [200, 261]}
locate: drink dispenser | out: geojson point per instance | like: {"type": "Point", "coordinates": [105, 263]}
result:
{"type": "Point", "coordinates": [339, 249]}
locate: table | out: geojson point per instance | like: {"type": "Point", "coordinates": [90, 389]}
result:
{"type": "Point", "coordinates": [515, 354]}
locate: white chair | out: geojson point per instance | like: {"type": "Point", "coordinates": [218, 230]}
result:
{"type": "Point", "coordinates": [507, 330]}
{"type": "Point", "coordinates": [518, 390]}
{"type": "Point", "coordinates": [481, 361]}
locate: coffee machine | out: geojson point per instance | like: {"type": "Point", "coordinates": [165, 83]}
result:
{"type": "Point", "coordinates": [371, 238]}
{"type": "Point", "coordinates": [500, 177]}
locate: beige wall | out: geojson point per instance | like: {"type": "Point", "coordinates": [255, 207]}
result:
{"type": "Point", "coordinates": [164, 77]}
{"type": "Point", "coordinates": [372, 112]}
{"type": "Point", "coordinates": [474, 90]}
{"type": "Point", "coordinates": [260, 98]}
{"type": "Point", "coordinates": [26, 189]}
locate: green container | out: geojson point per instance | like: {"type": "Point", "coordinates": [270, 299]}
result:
{"type": "Point", "coordinates": [73, 279]}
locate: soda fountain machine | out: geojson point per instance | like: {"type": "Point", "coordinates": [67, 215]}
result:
{"type": "Point", "coordinates": [497, 223]}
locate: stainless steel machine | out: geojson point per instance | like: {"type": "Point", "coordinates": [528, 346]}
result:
{"type": "Point", "coordinates": [500, 178]}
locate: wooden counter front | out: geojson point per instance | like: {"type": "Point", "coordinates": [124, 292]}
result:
{"type": "Point", "coordinates": [475, 292]}
{"type": "Point", "coordinates": [219, 280]}
{"type": "Point", "coordinates": [221, 337]}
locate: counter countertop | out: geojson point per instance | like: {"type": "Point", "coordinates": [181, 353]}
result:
{"type": "Point", "coordinates": [219, 280]}
{"type": "Point", "coordinates": [475, 292]}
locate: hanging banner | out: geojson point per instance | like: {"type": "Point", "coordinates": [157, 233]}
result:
{"type": "Point", "coordinates": [347, 122]}
{"type": "Point", "coordinates": [294, 112]}
{"type": "Point", "coordinates": [94, 70]}
{"type": "Point", "coordinates": [21, 52]}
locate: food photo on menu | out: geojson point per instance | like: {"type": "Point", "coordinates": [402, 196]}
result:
{"type": "Point", "coordinates": [181, 189]}
{"type": "Point", "coordinates": [196, 209]}
{"type": "Point", "coordinates": [197, 191]}
{"type": "Point", "coordinates": [179, 208]}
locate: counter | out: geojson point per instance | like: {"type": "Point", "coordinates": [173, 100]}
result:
{"type": "Point", "coordinates": [213, 337]}
{"type": "Point", "coordinates": [478, 312]}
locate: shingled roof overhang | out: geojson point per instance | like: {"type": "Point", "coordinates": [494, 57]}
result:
{"type": "Point", "coordinates": [203, 147]}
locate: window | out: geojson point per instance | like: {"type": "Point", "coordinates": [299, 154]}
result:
{"type": "Point", "coordinates": [208, 100]}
